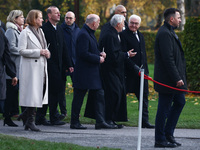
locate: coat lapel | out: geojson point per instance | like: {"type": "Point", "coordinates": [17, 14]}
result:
{"type": "Point", "coordinates": [33, 38]}
{"type": "Point", "coordinates": [177, 39]}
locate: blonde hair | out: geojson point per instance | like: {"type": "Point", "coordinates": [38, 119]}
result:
{"type": "Point", "coordinates": [14, 14]}
{"type": "Point", "coordinates": [32, 16]}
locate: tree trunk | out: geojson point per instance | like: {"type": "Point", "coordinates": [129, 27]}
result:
{"type": "Point", "coordinates": [181, 7]}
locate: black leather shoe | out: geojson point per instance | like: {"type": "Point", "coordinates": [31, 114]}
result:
{"type": "Point", "coordinates": [171, 139]}
{"type": "Point", "coordinates": [119, 126]}
{"type": "Point", "coordinates": [9, 122]}
{"type": "Point", "coordinates": [58, 122]}
{"type": "Point", "coordinates": [104, 125]}
{"type": "Point", "coordinates": [77, 126]}
{"type": "Point", "coordinates": [114, 124]}
{"type": "Point", "coordinates": [164, 144]}
{"type": "Point", "coordinates": [147, 125]}
{"type": "Point", "coordinates": [43, 122]}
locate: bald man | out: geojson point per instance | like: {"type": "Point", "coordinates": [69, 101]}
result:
{"type": "Point", "coordinates": [121, 10]}
{"type": "Point", "coordinates": [87, 75]}
{"type": "Point", "coordinates": [71, 31]}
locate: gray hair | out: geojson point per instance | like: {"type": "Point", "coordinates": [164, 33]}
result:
{"type": "Point", "coordinates": [116, 19]}
{"type": "Point", "coordinates": [91, 18]}
{"type": "Point", "coordinates": [14, 14]}
{"type": "Point", "coordinates": [135, 17]}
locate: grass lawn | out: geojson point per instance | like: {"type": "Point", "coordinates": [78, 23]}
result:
{"type": "Point", "coordinates": [18, 143]}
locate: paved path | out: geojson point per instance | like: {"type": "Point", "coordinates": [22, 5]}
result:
{"type": "Point", "coordinates": [125, 139]}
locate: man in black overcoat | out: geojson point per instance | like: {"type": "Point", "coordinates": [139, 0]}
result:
{"type": "Point", "coordinates": [113, 72]}
{"type": "Point", "coordinates": [87, 76]}
{"type": "Point", "coordinates": [132, 38]}
{"type": "Point", "coordinates": [57, 66]}
{"type": "Point", "coordinates": [6, 66]}
{"type": "Point", "coordinates": [170, 69]}
{"type": "Point", "coordinates": [121, 10]}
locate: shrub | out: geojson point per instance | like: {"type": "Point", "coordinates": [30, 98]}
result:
{"type": "Point", "coordinates": [191, 46]}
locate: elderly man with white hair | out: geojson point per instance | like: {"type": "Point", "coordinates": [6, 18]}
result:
{"type": "Point", "coordinates": [119, 9]}
{"type": "Point", "coordinates": [113, 72]}
{"type": "Point", "coordinates": [132, 38]}
{"type": "Point", "coordinates": [87, 76]}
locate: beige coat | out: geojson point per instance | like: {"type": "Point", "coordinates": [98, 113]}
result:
{"type": "Point", "coordinates": [32, 72]}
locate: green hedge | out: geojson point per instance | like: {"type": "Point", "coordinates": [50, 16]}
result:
{"type": "Point", "coordinates": [191, 46]}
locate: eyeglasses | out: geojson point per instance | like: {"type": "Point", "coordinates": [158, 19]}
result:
{"type": "Point", "coordinates": [70, 18]}
{"type": "Point", "coordinates": [123, 12]}
{"type": "Point", "coordinates": [134, 23]}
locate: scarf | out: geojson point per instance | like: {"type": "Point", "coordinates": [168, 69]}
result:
{"type": "Point", "coordinates": [19, 28]}
{"type": "Point", "coordinates": [39, 35]}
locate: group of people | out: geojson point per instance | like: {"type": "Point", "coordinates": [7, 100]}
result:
{"type": "Point", "coordinates": [42, 55]}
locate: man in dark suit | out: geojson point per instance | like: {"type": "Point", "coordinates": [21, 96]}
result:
{"type": "Point", "coordinates": [132, 38]}
{"type": "Point", "coordinates": [113, 72]}
{"type": "Point", "coordinates": [57, 66]}
{"type": "Point", "coordinates": [6, 66]}
{"type": "Point", "coordinates": [71, 30]}
{"type": "Point", "coordinates": [121, 10]}
{"type": "Point", "coordinates": [87, 74]}
{"type": "Point", "coordinates": [170, 69]}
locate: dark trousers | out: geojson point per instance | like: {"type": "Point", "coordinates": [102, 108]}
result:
{"type": "Point", "coordinates": [97, 95]}
{"type": "Point", "coordinates": [11, 106]}
{"type": "Point", "coordinates": [169, 109]}
{"type": "Point", "coordinates": [145, 112]}
{"type": "Point", "coordinates": [2, 101]}
{"type": "Point", "coordinates": [53, 112]}
{"type": "Point", "coordinates": [41, 113]}
{"type": "Point", "coordinates": [62, 101]}
{"type": "Point", "coordinates": [53, 105]}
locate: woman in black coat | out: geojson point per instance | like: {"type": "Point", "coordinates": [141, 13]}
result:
{"type": "Point", "coordinates": [6, 66]}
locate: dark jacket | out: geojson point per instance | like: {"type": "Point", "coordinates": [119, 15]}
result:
{"type": "Point", "coordinates": [6, 65]}
{"type": "Point", "coordinates": [104, 30]}
{"type": "Point", "coordinates": [71, 34]}
{"type": "Point", "coordinates": [170, 65]}
{"type": "Point", "coordinates": [113, 76]}
{"type": "Point", "coordinates": [129, 41]}
{"type": "Point", "coordinates": [59, 61]}
{"type": "Point", "coordinates": [87, 67]}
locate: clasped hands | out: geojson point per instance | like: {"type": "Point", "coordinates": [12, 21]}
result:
{"type": "Point", "coordinates": [45, 52]}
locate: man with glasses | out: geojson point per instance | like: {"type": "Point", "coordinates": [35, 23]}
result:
{"type": "Point", "coordinates": [132, 38]}
{"type": "Point", "coordinates": [71, 31]}
{"type": "Point", "coordinates": [121, 10]}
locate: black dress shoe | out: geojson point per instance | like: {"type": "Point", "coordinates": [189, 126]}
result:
{"type": "Point", "coordinates": [104, 125]}
{"type": "Point", "coordinates": [77, 126]}
{"type": "Point", "coordinates": [147, 125]}
{"type": "Point", "coordinates": [58, 122]}
{"type": "Point", "coordinates": [164, 144]}
{"type": "Point", "coordinates": [114, 124]}
{"type": "Point", "coordinates": [9, 122]}
{"type": "Point", "coordinates": [43, 122]}
{"type": "Point", "coordinates": [119, 126]}
{"type": "Point", "coordinates": [171, 139]}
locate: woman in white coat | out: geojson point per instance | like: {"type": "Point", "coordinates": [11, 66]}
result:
{"type": "Point", "coordinates": [15, 20]}
{"type": "Point", "coordinates": [33, 87]}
